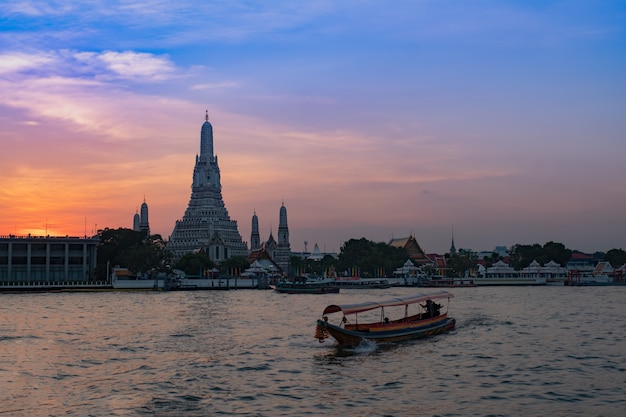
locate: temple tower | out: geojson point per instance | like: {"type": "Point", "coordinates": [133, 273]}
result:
{"type": "Point", "coordinates": [140, 220]}
{"type": "Point", "coordinates": [136, 221]}
{"type": "Point", "coordinates": [255, 237]}
{"type": "Point", "coordinates": [206, 224]}
{"type": "Point", "coordinates": [144, 224]}
{"type": "Point", "coordinates": [283, 248]}
{"type": "Point", "coordinates": [452, 247]}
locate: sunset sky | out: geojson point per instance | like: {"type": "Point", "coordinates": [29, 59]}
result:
{"type": "Point", "coordinates": [501, 121]}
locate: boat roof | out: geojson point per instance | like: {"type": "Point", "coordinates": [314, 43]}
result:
{"type": "Point", "coordinates": [396, 301]}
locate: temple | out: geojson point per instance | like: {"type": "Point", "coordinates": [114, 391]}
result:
{"type": "Point", "coordinates": [206, 224]}
{"type": "Point", "coordinates": [140, 220]}
{"type": "Point", "coordinates": [271, 252]}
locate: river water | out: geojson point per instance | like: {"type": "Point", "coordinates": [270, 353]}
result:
{"type": "Point", "coordinates": [516, 351]}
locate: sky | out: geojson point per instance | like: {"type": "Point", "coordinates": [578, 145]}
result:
{"type": "Point", "coordinates": [491, 121]}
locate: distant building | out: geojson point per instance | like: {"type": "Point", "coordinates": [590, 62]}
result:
{"type": "Point", "coordinates": [144, 224]}
{"type": "Point", "coordinates": [439, 263]}
{"type": "Point", "coordinates": [317, 254]}
{"type": "Point", "coordinates": [283, 249]}
{"type": "Point", "coordinates": [452, 247]}
{"type": "Point", "coordinates": [140, 221]}
{"type": "Point", "coordinates": [263, 259]}
{"type": "Point", "coordinates": [255, 237]}
{"type": "Point", "coordinates": [136, 220]}
{"type": "Point", "coordinates": [413, 249]}
{"type": "Point", "coordinates": [582, 262]}
{"type": "Point", "coordinates": [206, 224]}
{"type": "Point", "coordinates": [279, 251]}
{"type": "Point", "coordinates": [502, 251]}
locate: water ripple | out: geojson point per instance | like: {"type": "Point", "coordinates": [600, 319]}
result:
{"type": "Point", "coordinates": [233, 353]}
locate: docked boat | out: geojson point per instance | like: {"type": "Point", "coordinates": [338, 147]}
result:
{"type": "Point", "coordinates": [362, 283]}
{"type": "Point", "coordinates": [413, 317]}
{"type": "Point", "coordinates": [306, 287]}
{"type": "Point", "coordinates": [437, 281]}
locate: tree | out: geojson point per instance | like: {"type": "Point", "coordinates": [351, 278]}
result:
{"type": "Point", "coordinates": [327, 264]}
{"type": "Point", "coordinates": [462, 262]}
{"type": "Point", "coordinates": [616, 257]}
{"type": "Point", "coordinates": [234, 265]}
{"type": "Point", "coordinates": [557, 252]}
{"type": "Point", "coordinates": [131, 249]}
{"type": "Point", "coordinates": [523, 255]}
{"type": "Point", "coordinates": [195, 263]}
{"type": "Point", "coordinates": [297, 265]}
{"type": "Point", "coordinates": [369, 258]}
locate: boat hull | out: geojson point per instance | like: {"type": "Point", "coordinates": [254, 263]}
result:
{"type": "Point", "coordinates": [447, 283]}
{"type": "Point", "coordinates": [509, 281]}
{"type": "Point", "coordinates": [362, 283]}
{"type": "Point", "coordinates": [351, 338]}
{"type": "Point", "coordinates": [305, 289]}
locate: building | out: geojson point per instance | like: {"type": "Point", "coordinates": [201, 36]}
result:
{"type": "Point", "coordinates": [206, 224]}
{"type": "Point", "coordinates": [283, 248]}
{"type": "Point", "coordinates": [452, 247]}
{"type": "Point", "coordinates": [32, 261]}
{"type": "Point", "coordinates": [413, 249]}
{"type": "Point", "coordinates": [140, 221]}
{"type": "Point", "coordinates": [278, 251]}
{"type": "Point", "coordinates": [136, 221]}
{"type": "Point", "coordinates": [255, 237]}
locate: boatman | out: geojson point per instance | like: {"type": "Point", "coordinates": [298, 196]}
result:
{"type": "Point", "coordinates": [432, 308]}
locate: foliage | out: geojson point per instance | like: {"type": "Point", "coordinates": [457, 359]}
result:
{"type": "Point", "coordinates": [492, 259]}
{"type": "Point", "coordinates": [300, 266]}
{"type": "Point", "coordinates": [296, 264]}
{"type": "Point", "coordinates": [523, 255]}
{"type": "Point", "coordinates": [462, 262]}
{"type": "Point", "coordinates": [234, 265]}
{"type": "Point", "coordinates": [369, 259]}
{"type": "Point", "coordinates": [327, 263]}
{"type": "Point", "coordinates": [131, 249]}
{"type": "Point", "coordinates": [194, 263]}
{"type": "Point", "coordinates": [617, 257]}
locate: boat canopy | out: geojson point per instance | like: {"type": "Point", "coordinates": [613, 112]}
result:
{"type": "Point", "coordinates": [397, 301]}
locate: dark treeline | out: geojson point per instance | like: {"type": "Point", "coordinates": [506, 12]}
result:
{"type": "Point", "coordinates": [148, 254]}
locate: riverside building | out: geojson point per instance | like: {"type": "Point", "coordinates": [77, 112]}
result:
{"type": "Point", "coordinates": [206, 224]}
{"type": "Point", "coordinates": [47, 262]}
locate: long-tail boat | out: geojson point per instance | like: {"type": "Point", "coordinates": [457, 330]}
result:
{"type": "Point", "coordinates": [416, 316]}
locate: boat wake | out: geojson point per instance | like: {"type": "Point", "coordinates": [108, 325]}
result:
{"type": "Point", "coordinates": [477, 321]}
{"type": "Point", "coordinates": [366, 346]}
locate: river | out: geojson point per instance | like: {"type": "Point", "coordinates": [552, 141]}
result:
{"type": "Point", "coordinates": [516, 351]}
